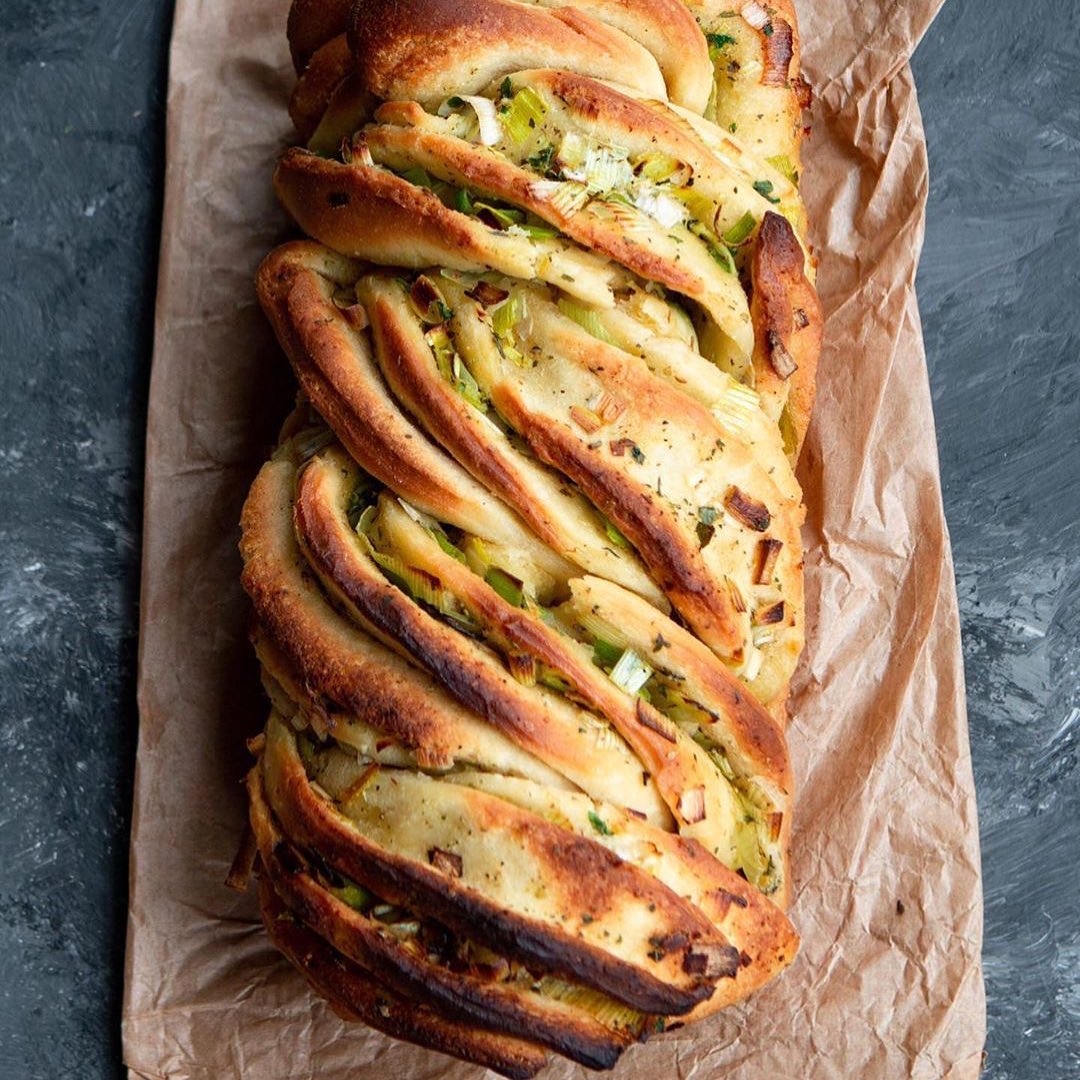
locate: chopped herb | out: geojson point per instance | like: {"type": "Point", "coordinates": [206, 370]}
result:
{"type": "Point", "coordinates": [466, 385]}
{"type": "Point", "coordinates": [599, 824]}
{"type": "Point", "coordinates": [552, 680]}
{"type": "Point", "coordinates": [707, 515]}
{"type": "Point", "coordinates": [733, 127]}
{"type": "Point", "coordinates": [716, 249]}
{"type": "Point", "coordinates": [498, 217]}
{"type": "Point", "coordinates": [541, 160]}
{"type": "Point", "coordinates": [764, 188]}
{"type": "Point", "coordinates": [660, 642]}
{"type": "Point", "coordinates": [542, 232]}
{"type": "Point", "coordinates": [508, 314]}
{"type": "Point", "coordinates": [704, 534]}
{"type": "Point", "coordinates": [587, 318]}
{"type": "Point", "coordinates": [524, 113]}
{"type": "Point", "coordinates": [507, 87]}
{"type": "Point", "coordinates": [767, 29]}
{"type": "Point", "coordinates": [307, 751]}
{"type": "Point", "coordinates": [782, 163]}
{"type": "Point", "coordinates": [718, 41]}
{"type": "Point", "coordinates": [637, 454]}
{"type": "Point", "coordinates": [662, 168]}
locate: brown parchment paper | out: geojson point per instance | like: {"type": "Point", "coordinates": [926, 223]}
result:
{"type": "Point", "coordinates": [886, 860]}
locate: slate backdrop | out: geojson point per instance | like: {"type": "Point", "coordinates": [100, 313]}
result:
{"type": "Point", "coordinates": [82, 93]}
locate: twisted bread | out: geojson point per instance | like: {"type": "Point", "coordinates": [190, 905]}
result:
{"type": "Point", "coordinates": [526, 565]}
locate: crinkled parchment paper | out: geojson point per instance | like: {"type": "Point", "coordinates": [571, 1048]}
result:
{"type": "Point", "coordinates": [886, 858]}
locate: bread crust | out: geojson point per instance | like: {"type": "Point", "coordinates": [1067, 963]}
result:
{"type": "Point", "coordinates": [376, 684]}
{"type": "Point", "coordinates": [356, 995]}
{"type": "Point", "coordinates": [427, 50]}
{"type": "Point", "coordinates": [526, 565]}
{"type": "Point", "coordinates": [590, 877]}
{"type": "Point", "coordinates": [787, 319]}
{"type": "Point", "coordinates": [540, 497]}
{"type": "Point", "coordinates": [311, 24]}
{"type": "Point", "coordinates": [673, 761]}
{"type": "Point", "coordinates": [328, 68]}
{"type": "Point", "coordinates": [469, 997]}
{"type": "Point", "coordinates": [334, 366]}
{"type": "Point", "coordinates": [337, 662]}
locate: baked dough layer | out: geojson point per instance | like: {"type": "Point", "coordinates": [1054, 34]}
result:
{"type": "Point", "coordinates": [526, 566]}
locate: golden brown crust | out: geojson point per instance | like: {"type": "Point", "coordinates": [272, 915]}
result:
{"type": "Point", "coordinates": [427, 50]}
{"type": "Point", "coordinates": [446, 414]}
{"type": "Point", "coordinates": [636, 475]}
{"type": "Point", "coordinates": [752, 739]}
{"type": "Point", "coordinates": [640, 515]}
{"type": "Point", "coordinates": [755, 925]}
{"type": "Point", "coordinates": [497, 178]}
{"type": "Point", "coordinates": [766, 111]}
{"type": "Point", "coordinates": [295, 285]}
{"type": "Point", "coordinates": [312, 23]}
{"type": "Point", "coordinates": [537, 720]}
{"type": "Point", "coordinates": [561, 518]}
{"type": "Point", "coordinates": [406, 48]}
{"type": "Point", "coordinates": [372, 214]}
{"type": "Point", "coordinates": [274, 581]}
{"type": "Point", "coordinates": [767, 941]}
{"type": "Point", "coordinates": [673, 761]}
{"type": "Point", "coordinates": [335, 368]}
{"type": "Point", "coordinates": [314, 90]}
{"type": "Point", "coordinates": [590, 878]}
{"type": "Point", "coordinates": [362, 211]}
{"type": "Point", "coordinates": [341, 664]}
{"type": "Point", "coordinates": [512, 1009]}
{"type": "Point", "coordinates": [356, 995]}
{"type": "Point", "coordinates": [757, 735]}
{"type": "Point", "coordinates": [787, 324]}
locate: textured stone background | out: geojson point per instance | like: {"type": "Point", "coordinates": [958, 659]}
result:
{"type": "Point", "coordinates": [81, 84]}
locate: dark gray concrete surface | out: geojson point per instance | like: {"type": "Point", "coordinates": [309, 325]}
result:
{"type": "Point", "coordinates": [81, 84]}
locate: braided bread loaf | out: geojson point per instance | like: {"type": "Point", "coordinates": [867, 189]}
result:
{"type": "Point", "coordinates": [526, 565]}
